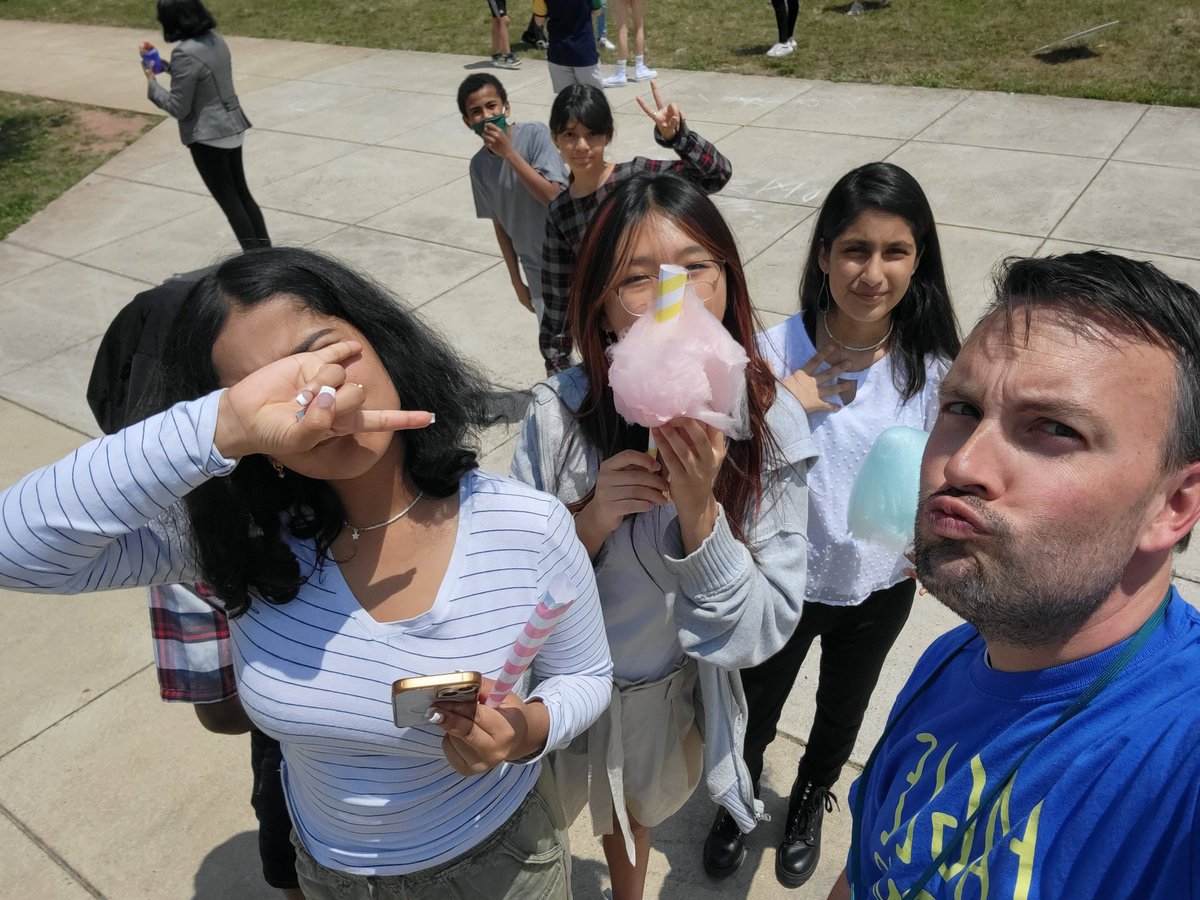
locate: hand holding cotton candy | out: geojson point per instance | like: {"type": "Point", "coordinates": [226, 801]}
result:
{"type": "Point", "coordinates": [884, 498]}
{"type": "Point", "coordinates": [679, 361]}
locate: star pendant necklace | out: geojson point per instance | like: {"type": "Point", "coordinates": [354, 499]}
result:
{"type": "Point", "coordinates": [356, 530]}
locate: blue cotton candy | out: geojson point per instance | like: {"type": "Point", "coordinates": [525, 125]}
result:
{"type": "Point", "coordinates": [883, 500]}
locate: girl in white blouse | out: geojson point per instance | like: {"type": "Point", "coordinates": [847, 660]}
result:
{"type": "Point", "coordinates": [874, 335]}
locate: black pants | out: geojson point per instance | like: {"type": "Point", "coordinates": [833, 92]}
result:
{"type": "Point", "coordinates": [786, 12]}
{"type": "Point", "coordinates": [855, 640]}
{"type": "Point", "coordinates": [274, 822]}
{"type": "Point", "coordinates": [226, 181]}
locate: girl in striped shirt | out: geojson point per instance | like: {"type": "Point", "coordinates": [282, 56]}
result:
{"type": "Point", "coordinates": [354, 542]}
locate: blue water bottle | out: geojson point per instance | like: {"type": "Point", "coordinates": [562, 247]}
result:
{"type": "Point", "coordinates": [150, 58]}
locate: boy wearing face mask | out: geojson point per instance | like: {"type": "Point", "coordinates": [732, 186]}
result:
{"type": "Point", "coordinates": [513, 178]}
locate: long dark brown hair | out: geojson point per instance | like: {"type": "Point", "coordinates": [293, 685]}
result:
{"type": "Point", "coordinates": [607, 246]}
{"type": "Point", "coordinates": [924, 320]}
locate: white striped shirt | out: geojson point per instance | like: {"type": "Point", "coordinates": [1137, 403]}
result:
{"type": "Point", "coordinates": [316, 672]}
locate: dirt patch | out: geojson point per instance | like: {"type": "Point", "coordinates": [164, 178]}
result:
{"type": "Point", "coordinates": [105, 130]}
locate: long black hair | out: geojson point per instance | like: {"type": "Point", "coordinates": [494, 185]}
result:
{"type": "Point", "coordinates": [237, 522]}
{"type": "Point", "coordinates": [182, 19]}
{"type": "Point", "coordinates": [924, 320]}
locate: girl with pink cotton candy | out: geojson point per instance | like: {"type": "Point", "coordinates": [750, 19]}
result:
{"type": "Point", "coordinates": [699, 552]}
{"type": "Point", "coordinates": [676, 360]}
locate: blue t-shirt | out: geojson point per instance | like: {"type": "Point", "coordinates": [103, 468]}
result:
{"type": "Point", "coordinates": [1106, 806]}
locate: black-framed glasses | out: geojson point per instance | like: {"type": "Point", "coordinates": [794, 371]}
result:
{"type": "Point", "coordinates": [638, 293]}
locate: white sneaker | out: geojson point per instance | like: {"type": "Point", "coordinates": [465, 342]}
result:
{"type": "Point", "coordinates": [616, 79]}
{"type": "Point", "coordinates": [605, 44]}
{"type": "Point", "coordinates": [644, 73]}
{"type": "Point", "coordinates": [783, 49]}
{"type": "Point", "coordinates": [792, 43]}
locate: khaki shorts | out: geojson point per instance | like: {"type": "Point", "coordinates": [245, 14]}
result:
{"type": "Point", "coordinates": [526, 858]}
{"type": "Point", "coordinates": [642, 759]}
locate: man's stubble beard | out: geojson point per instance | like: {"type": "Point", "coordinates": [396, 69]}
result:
{"type": "Point", "coordinates": [1030, 593]}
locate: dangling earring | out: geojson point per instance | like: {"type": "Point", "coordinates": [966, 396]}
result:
{"type": "Point", "coordinates": [279, 469]}
{"type": "Point", "coordinates": [823, 297]}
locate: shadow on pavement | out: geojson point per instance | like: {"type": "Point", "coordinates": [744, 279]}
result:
{"type": "Point", "coordinates": [233, 869]}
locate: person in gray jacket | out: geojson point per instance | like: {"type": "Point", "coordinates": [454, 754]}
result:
{"type": "Point", "coordinates": [700, 554]}
{"type": "Point", "coordinates": [211, 122]}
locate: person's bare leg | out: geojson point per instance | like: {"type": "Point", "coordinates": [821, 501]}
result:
{"type": "Point", "coordinates": [628, 881]}
{"type": "Point", "coordinates": [505, 46]}
{"type": "Point", "coordinates": [638, 10]}
{"type": "Point", "coordinates": [292, 894]}
{"type": "Point", "coordinates": [496, 36]}
{"type": "Point", "coordinates": [620, 12]}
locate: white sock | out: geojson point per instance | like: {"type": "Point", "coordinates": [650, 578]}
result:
{"type": "Point", "coordinates": [640, 62]}
{"type": "Point", "coordinates": [621, 65]}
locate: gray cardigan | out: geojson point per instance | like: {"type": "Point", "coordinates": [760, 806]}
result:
{"type": "Point", "coordinates": [736, 604]}
{"type": "Point", "coordinates": [201, 95]}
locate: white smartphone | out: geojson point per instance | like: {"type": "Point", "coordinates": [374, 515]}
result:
{"type": "Point", "coordinates": [413, 697]}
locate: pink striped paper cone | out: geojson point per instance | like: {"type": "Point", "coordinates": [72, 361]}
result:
{"type": "Point", "coordinates": [559, 595]}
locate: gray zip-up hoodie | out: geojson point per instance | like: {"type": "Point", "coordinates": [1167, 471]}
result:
{"type": "Point", "coordinates": [736, 604]}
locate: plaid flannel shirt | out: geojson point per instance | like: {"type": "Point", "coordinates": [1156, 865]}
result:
{"type": "Point", "coordinates": [567, 221]}
{"type": "Point", "coordinates": [191, 645]}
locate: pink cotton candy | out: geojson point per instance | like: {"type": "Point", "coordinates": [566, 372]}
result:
{"type": "Point", "coordinates": [687, 366]}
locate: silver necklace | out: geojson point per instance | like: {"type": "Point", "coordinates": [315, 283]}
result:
{"type": "Point", "coordinates": [355, 531]}
{"type": "Point", "coordinates": [875, 346]}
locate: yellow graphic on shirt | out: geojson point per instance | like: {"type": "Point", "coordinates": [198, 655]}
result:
{"type": "Point", "coordinates": [968, 869]}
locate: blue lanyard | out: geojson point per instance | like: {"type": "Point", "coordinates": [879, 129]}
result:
{"type": "Point", "coordinates": [1105, 678]}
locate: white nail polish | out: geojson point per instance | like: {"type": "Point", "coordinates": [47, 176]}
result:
{"type": "Point", "coordinates": [432, 418]}
{"type": "Point", "coordinates": [326, 389]}
{"type": "Point", "coordinates": [304, 398]}
{"type": "Point", "coordinates": [435, 717]}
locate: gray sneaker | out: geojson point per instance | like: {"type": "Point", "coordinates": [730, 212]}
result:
{"type": "Point", "coordinates": [506, 62]}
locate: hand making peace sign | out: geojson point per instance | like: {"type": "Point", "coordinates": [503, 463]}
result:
{"type": "Point", "coordinates": [667, 119]}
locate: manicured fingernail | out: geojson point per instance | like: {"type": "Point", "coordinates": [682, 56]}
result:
{"type": "Point", "coordinates": [435, 717]}
{"type": "Point", "coordinates": [325, 397]}
{"type": "Point", "coordinates": [432, 418]}
{"type": "Point", "coordinates": [304, 397]}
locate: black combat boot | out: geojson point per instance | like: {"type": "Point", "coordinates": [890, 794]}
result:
{"type": "Point", "coordinates": [800, 851]}
{"type": "Point", "coordinates": [725, 847]}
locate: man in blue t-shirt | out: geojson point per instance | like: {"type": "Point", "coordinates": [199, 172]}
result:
{"type": "Point", "coordinates": [1051, 748]}
{"type": "Point", "coordinates": [514, 176]}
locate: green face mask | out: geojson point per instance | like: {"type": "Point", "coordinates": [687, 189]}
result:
{"type": "Point", "coordinates": [499, 121]}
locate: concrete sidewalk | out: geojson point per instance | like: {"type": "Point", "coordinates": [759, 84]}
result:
{"type": "Point", "coordinates": [107, 792]}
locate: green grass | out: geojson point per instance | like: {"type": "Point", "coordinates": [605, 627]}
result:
{"type": "Point", "coordinates": [47, 146]}
{"type": "Point", "coordinates": [1150, 57]}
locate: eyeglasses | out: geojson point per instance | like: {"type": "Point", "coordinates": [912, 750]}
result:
{"type": "Point", "coordinates": [638, 293]}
